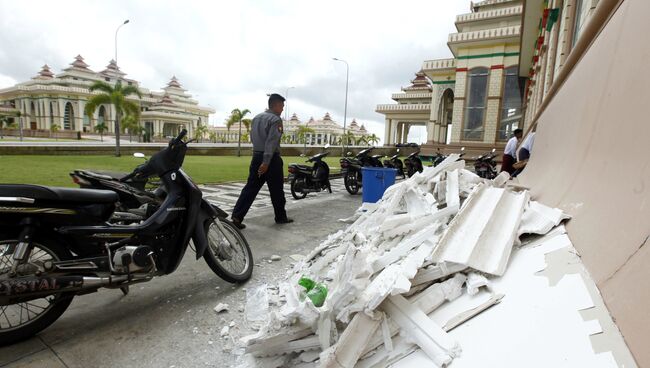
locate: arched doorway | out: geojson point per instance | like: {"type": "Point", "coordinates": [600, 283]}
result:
{"type": "Point", "coordinates": [68, 117]}
{"type": "Point", "coordinates": [445, 115]}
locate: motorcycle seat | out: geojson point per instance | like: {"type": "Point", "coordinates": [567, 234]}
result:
{"type": "Point", "coordinates": [44, 193]}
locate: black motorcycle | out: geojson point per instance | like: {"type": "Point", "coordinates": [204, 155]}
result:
{"type": "Point", "coordinates": [485, 165]}
{"type": "Point", "coordinates": [308, 179]}
{"type": "Point", "coordinates": [413, 163]}
{"type": "Point", "coordinates": [56, 243]}
{"type": "Point", "coordinates": [351, 168]}
{"type": "Point", "coordinates": [395, 163]}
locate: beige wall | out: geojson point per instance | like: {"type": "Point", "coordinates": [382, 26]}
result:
{"type": "Point", "coordinates": [592, 159]}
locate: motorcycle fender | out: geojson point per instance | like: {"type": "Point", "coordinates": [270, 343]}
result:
{"type": "Point", "coordinates": [207, 214]}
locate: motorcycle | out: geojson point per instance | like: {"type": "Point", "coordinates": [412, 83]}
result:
{"type": "Point", "coordinates": [413, 164]}
{"type": "Point", "coordinates": [308, 179]}
{"type": "Point", "coordinates": [351, 168]}
{"type": "Point", "coordinates": [56, 243]}
{"type": "Point", "coordinates": [439, 157]}
{"type": "Point", "coordinates": [485, 166]}
{"type": "Point", "coordinates": [395, 163]}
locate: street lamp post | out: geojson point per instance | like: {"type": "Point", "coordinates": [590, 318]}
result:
{"type": "Point", "coordinates": [345, 111]}
{"type": "Point", "coordinates": [118, 28]}
{"type": "Point", "coordinates": [286, 105]}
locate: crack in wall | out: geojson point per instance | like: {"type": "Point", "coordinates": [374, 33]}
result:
{"type": "Point", "coordinates": [627, 260]}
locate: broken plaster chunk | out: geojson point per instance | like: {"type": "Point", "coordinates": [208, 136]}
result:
{"type": "Point", "coordinates": [297, 257]}
{"type": "Point", "coordinates": [275, 257]}
{"type": "Point", "coordinates": [474, 282]}
{"type": "Point", "coordinates": [309, 356]}
{"type": "Point", "coordinates": [221, 307]}
{"type": "Point", "coordinates": [225, 331]}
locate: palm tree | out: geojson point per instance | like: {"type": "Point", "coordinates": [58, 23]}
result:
{"type": "Point", "coordinates": [237, 116]}
{"type": "Point", "coordinates": [130, 124]}
{"type": "Point", "coordinates": [4, 121]}
{"type": "Point", "coordinates": [101, 128]}
{"type": "Point", "coordinates": [117, 97]}
{"type": "Point", "coordinates": [372, 139]}
{"type": "Point", "coordinates": [200, 132]}
{"type": "Point", "coordinates": [212, 136]}
{"type": "Point", "coordinates": [361, 140]}
{"type": "Point", "coordinates": [247, 123]}
{"type": "Point", "coordinates": [302, 135]}
{"type": "Point", "coordinates": [347, 138]}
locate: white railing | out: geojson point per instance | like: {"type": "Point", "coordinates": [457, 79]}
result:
{"type": "Point", "coordinates": [411, 95]}
{"type": "Point", "coordinates": [485, 34]}
{"type": "Point", "coordinates": [488, 14]}
{"type": "Point", "coordinates": [439, 64]}
{"type": "Point", "coordinates": [403, 107]}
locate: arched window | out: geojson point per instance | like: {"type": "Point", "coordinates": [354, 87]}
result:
{"type": "Point", "coordinates": [101, 115]}
{"type": "Point", "coordinates": [477, 83]}
{"type": "Point", "coordinates": [513, 92]}
{"type": "Point", "coordinates": [68, 117]}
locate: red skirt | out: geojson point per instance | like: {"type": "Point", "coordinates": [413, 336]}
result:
{"type": "Point", "coordinates": [507, 163]}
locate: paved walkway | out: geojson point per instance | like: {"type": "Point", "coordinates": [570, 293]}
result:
{"type": "Point", "coordinates": [225, 195]}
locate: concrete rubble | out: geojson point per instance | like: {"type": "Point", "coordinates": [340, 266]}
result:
{"type": "Point", "coordinates": [441, 234]}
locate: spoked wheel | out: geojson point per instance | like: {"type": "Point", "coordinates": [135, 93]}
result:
{"type": "Point", "coordinates": [351, 182]}
{"type": "Point", "coordinates": [228, 253]}
{"type": "Point", "coordinates": [22, 320]}
{"type": "Point", "coordinates": [296, 188]}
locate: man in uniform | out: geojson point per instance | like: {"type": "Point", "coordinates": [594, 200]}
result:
{"type": "Point", "coordinates": [509, 154]}
{"type": "Point", "coordinates": [266, 164]}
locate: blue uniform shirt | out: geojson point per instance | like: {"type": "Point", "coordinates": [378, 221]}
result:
{"type": "Point", "coordinates": [266, 132]}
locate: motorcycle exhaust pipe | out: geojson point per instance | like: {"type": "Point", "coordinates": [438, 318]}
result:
{"type": "Point", "coordinates": [32, 287]}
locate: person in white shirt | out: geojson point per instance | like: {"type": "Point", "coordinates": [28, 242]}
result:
{"type": "Point", "coordinates": [509, 153]}
{"type": "Point", "coordinates": [524, 152]}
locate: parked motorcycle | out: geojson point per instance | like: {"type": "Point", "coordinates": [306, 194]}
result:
{"type": "Point", "coordinates": [485, 165]}
{"type": "Point", "coordinates": [439, 157]}
{"type": "Point", "coordinates": [395, 163]}
{"type": "Point", "coordinates": [308, 179]}
{"type": "Point", "coordinates": [351, 168]}
{"type": "Point", "coordinates": [413, 163]}
{"type": "Point", "coordinates": [55, 243]}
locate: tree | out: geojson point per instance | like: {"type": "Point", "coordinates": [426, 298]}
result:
{"type": "Point", "coordinates": [372, 139]}
{"type": "Point", "coordinates": [212, 136]}
{"type": "Point", "coordinates": [53, 129]}
{"type": "Point", "coordinates": [361, 140]}
{"type": "Point", "coordinates": [101, 128]}
{"type": "Point", "coordinates": [4, 122]}
{"type": "Point", "coordinates": [237, 116]}
{"type": "Point", "coordinates": [115, 96]}
{"type": "Point", "coordinates": [130, 123]}
{"type": "Point", "coordinates": [247, 123]}
{"type": "Point", "coordinates": [200, 132]}
{"type": "Point", "coordinates": [302, 135]}
{"type": "Point", "coordinates": [347, 138]}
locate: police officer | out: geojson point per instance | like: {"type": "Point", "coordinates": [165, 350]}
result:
{"type": "Point", "coordinates": [266, 164]}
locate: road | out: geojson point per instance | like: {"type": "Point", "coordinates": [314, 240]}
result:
{"type": "Point", "coordinates": [170, 322]}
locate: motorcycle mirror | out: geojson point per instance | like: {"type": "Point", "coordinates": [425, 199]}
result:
{"type": "Point", "coordinates": [493, 149]}
{"type": "Point", "coordinates": [138, 155]}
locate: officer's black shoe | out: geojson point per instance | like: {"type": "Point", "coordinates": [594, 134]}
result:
{"type": "Point", "coordinates": [284, 221]}
{"type": "Point", "coordinates": [238, 224]}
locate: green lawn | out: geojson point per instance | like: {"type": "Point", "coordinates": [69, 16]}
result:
{"type": "Point", "coordinates": [53, 170]}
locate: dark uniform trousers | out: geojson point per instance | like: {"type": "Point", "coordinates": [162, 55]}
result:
{"type": "Point", "coordinates": [274, 179]}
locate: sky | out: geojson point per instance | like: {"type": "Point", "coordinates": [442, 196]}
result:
{"type": "Point", "coordinates": [230, 54]}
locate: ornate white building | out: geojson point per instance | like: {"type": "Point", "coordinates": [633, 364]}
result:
{"type": "Point", "coordinates": [325, 130]}
{"type": "Point", "coordinates": [49, 99]}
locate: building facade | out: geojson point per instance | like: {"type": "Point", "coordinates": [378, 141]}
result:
{"type": "Point", "coordinates": [476, 96]}
{"type": "Point", "coordinates": [323, 131]}
{"type": "Point", "coordinates": [49, 100]}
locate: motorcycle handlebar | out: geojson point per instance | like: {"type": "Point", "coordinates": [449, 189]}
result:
{"type": "Point", "coordinates": [131, 175]}
{"type": "Point", "coordinates": [180, 137]}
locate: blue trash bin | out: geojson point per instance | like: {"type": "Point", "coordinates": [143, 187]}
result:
{"type": "Point", "coordinates": [375, 180]}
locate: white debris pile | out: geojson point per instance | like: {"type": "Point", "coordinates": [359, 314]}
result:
{"type": "Point", "coordinates": [397, 262]}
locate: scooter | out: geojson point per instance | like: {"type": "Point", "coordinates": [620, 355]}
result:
{"type": "Point", "coordinates": [56, 243]}
{"type": "Point", "coordinates": [308, 179]}
{"type": "Point", "coordinates": [413, 164]}
{"type": "Point", "coordinates": [395, 163]}
{"type": "Point", "coordinates": [485, 166]}
{"type": "Point", "coordinates": [351, 168]}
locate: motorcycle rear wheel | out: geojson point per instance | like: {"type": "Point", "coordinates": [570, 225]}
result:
{"type": "Point", "coordinates": [37, 313]}
{"type": "Point", "coordinates": [231, 262]}
{"type": "Point", "coordinates": [295, 192]}
{"type": "Point", "coordinates": [351, 183]}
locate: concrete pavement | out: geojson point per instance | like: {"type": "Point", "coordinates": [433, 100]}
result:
{"type": "Point", "coordinates": [170, 322]}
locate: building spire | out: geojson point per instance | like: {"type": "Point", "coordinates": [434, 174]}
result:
{"type": "Point", "coordinates": [79, 63]}
{"type": "Point", "coordinates": [45, 73]}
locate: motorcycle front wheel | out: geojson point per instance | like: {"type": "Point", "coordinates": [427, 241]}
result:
{"type": "Point", "coordinates": [296, 191]}
{"type": "Point", "coordinates": [351, 182]}
{"type": "Point", "coordinates": [20, 321]}
{"type": "Point", "coordinates": [228, 253]}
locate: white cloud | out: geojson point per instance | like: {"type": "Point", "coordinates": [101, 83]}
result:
{"type": "Point", "coordinates": [230, 54]}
